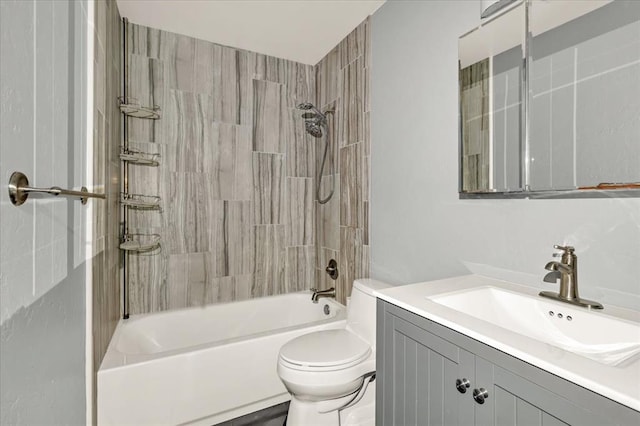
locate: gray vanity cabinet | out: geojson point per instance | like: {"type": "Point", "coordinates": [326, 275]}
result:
{"type": "Point", "coordinates": [421, 365]}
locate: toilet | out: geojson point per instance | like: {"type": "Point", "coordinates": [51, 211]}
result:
{"type": "Point", "coordinates": [330, 374]}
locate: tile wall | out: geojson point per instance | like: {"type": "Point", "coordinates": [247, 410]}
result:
{"type": "Point", "coordinates": [236, 176]}
{"type": "Point", "coordinates": [106, 170]}
{"type": "Point", "coordinates": [342, 224]}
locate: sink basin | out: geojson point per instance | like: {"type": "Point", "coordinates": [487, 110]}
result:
{"type": "Point", "coordinates": [590, 334]}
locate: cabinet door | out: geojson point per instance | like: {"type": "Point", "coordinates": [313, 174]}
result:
{"type": "Point", "coordinates": [514, 400]}
{"type": "Point", "coordinates": [419, 377]}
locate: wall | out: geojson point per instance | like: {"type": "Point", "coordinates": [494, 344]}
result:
{"type": "Point", "coordinates": [342, 223]}
{"type": "Point", "coordinates": [106, 174]}
{"type": "Point", "coordinates": [43, 79]}
{"type": "Point", "coordinates": [236, 173]}
{"type": "Point", "coordinates": [420, 229]}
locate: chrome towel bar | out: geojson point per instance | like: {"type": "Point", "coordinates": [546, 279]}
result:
{"type": "Point", "coordinates": [19, 190]}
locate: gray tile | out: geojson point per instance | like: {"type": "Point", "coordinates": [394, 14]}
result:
{"type": "Point", "coordinates": [231, 236]}
{"type": "Point", "coordinates": [300, 211]}
{"type": "Point", "coordinates": [353, 261]}
{"type": "Point", "coordinates": [300, 268]}
{"type": "Point", "coordinates": [146, 84]}
{"type": "Point", "coordinates": [301, 148]}
{"type": "Point", "coordinates": [270, 260]}
{"type": "Point", "coordinates": [351, 185]}
{"type": "Point", "coordinates": [268, 188]}
{"type": "Point", "coordinates": [232, 89]}
{"type": "Point", "coordinates": [328, 215]}
{"type": "Point", "coordinates": [273, 124]}
{"type": "Point", "coordinates": [352, 104]}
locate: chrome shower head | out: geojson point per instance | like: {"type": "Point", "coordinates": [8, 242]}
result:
{"type": "Point", "coordinates": [313, 128]}
{"type": "Point", "coordinates": [306, 106]}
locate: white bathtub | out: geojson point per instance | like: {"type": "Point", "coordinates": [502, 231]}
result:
{"type": "Point", "coordinates": [203, 366]}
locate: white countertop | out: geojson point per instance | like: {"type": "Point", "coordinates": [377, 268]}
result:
{"type": "Point", "coordinates": [620, 383]}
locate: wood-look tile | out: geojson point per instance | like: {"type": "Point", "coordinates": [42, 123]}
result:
{"type": "Point", "coordinates": [203, 67]}
{"type": "Point", "coordinates": [229, 159]}
{"type": "Point", "coordinates": [232, 88]}
{"type": "Point", "coordinates": [147, 289]}
{"type": "Point", "coordinates": [353, 45]}
{"type": "Point", "coordinates": [352, 104]}
{"type": "Point", "coordinates": [333, 153]}
{"type": "Point", "coordinates": [231, 236]}
{"type": "Point", "coordinates": [146, 84]}
{"type": "Point", "coordinates": [228, 289]}
{"type": "Point", "coordinates": [351, 186]}
{"type": "Point", "coordinates": [352, 260]}
{"type": "Point", "coordinates": [268, 188]}
{"type": "Point", "coordinates": [187, 132]}
{"type": "Point", "coordinates": [328, 215]}
{"type": "Point", "coordinates": [273, 124]}
{"type": "Point", "coordinates": [328, 70]}
{"type": "Point", "coordinates": [366, 175]}
{"type": "Point", "coordinates": [177, 281]}
{"type": "Point", "coordinates": [300, 211]}
{"type": "Point", "coordinates": [298, 79]}
{"type": "Point", "coordinates": [270, 260]}
{"type": "Point", "coordinates": [301, 148]}
{"type": "Point", "coordinates": [300, 268]}
{"type": "Point", "coordinates": [365, 237]}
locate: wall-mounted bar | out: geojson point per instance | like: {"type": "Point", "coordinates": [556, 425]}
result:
{"type": "Point", "coordinates": [19, 190]}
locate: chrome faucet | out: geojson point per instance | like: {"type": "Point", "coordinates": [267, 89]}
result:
{"type": "Point", "coordinates": [330, 292]}
{"type": "Point", "coordinates": [567, 271]}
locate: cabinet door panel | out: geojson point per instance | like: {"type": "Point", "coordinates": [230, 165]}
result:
{"type": "Point", "coordinates": [516, 401]}
{"type": "Point", "coordinates": [421, 381]}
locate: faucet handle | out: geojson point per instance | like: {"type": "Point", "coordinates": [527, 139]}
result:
{"type": "Point", "coordinates": [566, 249]}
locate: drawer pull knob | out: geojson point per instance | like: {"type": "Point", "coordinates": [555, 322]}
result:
{"type": "Point", "coordinates": [462, 385]}
{"type": "Point", "coordinates": [480, 395]}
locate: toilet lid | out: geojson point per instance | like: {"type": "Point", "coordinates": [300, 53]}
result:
{"type": "Point", "coordinates": [324, 349]}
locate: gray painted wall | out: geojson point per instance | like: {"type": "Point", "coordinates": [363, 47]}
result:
{"type": "Point", "coordinates": [42, 261]}
{"type": "Point", "coordinates": [420, 229]}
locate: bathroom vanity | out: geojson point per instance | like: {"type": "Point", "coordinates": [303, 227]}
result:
{"type": "Point", "coordinates": [438, 365]}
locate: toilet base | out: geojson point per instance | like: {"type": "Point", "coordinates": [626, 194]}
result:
{"type": "Point", "coordinates": [307, 413]}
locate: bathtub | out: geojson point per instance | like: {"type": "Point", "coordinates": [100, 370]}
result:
{"type": "Point", "coordinates": [202, 366]}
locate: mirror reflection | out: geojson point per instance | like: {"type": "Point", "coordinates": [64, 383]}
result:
{"type": "Point", "coordinates": [584, 119]}
{"type": "Point", "coordinates": [491, 108]}
{"type": "Point", "coordinates": [574, 122]}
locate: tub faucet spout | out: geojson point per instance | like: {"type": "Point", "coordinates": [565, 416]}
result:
{"type": "Point", "coordinates": [330, 292]}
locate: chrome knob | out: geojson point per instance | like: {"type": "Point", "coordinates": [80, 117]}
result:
{"type": "Point", "coordinates": [480, 395]}
{"type": "Point", "coordinates": [462, 385]}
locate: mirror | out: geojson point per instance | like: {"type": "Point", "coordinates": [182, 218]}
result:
{"type": "Point", "coordinates": [565, 118]}
{"type": "Point", "coordinates": [491, 59]}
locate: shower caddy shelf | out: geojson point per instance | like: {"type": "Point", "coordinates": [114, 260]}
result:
{"type": "Point", "coordinates": [140, 243]}
{"type": "Point", "coordinates": [140, 201]}
{"type": "Point", "coordinates": [132, 108]}
{"type": "Point", "coordinates": [140, 158]}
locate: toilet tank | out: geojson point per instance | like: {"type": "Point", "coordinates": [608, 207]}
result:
{"type": "Point", "coordinates": [361, 313]}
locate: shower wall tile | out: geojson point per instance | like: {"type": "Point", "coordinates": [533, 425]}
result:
{"type": "Point", "coordinates": [273, 125]}
{"type": "Point", "coordinates": [352, 99]}
{"type": "Point", "coordinates": [351, 186]}
{"type": "Point", "coordinates": [324, 255]}
{"type": "Point", "coordinates": [342, 224]}
{"type": "Point", "coordinates": [270, 260]}
{"type": "Point", "coordinates": [187, 120]}
{"type": "Point", "coordinates": [228, 156]}
{"type": "Point", "coordinates": [268, 188]}
{"type": "Point", "coordinates": [300, 268]}
{"type": "Point", "coordinates": [236, 174]}
{"type": "Point", "coordinates": [328, 215]}
{"type": "Point", "coordinates": [147, 85]}
{"type": "Point", "coordinates": [300, 212]}
{"type": "Point", "coordinates": [232, 86]}
{"type": "Point", "coordinates": [301, 149]}
{"type": "Point", "coordinates": [231, 237]}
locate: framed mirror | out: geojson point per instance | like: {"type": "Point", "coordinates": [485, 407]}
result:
{"type": "Point", "coordinates": [550, 101]}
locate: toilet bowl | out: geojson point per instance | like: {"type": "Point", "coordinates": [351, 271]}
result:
{"type": "Point", "coordinates": [330, 374]}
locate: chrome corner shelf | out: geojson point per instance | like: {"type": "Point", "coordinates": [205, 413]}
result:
{"type": "Point", "coordinates": [132, 108]}
{"type": "Point", "coordinates": [140, 243]}
{"type": "Point", "coordinates": [133, 156]}
{"type": "Point", "coordinates": [140, 201]}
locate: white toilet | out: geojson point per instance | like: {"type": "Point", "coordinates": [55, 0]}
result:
{"type": "Point", "coordinates": [330, 373]}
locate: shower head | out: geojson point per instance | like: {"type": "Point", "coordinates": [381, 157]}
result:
{"type": "Point", "coordinates": [313, 128]}
{"type": "Point", "coordinates": [306, 106]}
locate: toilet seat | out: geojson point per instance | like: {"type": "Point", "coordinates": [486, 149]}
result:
{"type": "Point", "coordinates": [325, 350]}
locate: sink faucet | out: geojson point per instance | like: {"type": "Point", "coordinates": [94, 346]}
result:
{"type": "Point", "coordinates": [331, 292]}
{"type": "Point", "coordinates": [567, 271]}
